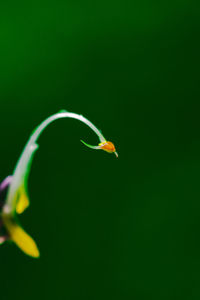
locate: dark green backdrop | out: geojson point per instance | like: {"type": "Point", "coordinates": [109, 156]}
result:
{"type": "Point", "coordinates": [106, 228]}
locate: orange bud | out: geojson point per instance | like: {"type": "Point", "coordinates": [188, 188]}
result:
{"type": "Point", "coordinates": [108, 147]}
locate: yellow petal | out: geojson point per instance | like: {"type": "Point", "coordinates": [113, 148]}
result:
{"type": "Point", "coordinates": [23, 201]}
{"type": "Point", "coordinates": [20, 237]}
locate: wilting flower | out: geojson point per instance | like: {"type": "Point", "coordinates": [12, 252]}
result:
{"type": "Point", "coordinates": [13, 190]}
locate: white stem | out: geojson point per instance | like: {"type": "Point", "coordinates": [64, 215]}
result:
{"type": "Point", "coordinates": [23, 165]}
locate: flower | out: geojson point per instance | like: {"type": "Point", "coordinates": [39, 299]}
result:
{"type": "Point", "coordinates": [13, 190]}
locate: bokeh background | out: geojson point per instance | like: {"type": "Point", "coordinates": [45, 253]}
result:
{"type": "Point", "coordinates": [106, 228]}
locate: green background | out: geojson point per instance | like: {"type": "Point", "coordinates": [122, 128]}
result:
{"type": "Point", "coordinates": [106, 228]}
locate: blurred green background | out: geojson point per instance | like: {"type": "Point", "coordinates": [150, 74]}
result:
{"type": "Point", "coordinates": [106, 228]}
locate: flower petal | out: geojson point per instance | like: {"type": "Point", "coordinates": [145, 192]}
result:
{"type": "Point", "coordinates": [23, 201]}
{"type": "Point", "coordinates": [20, 237]}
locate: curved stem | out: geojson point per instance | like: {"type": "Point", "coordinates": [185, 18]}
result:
{"type": "Point", "coordinates": [23, 165]}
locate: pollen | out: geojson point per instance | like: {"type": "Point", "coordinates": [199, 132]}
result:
{"type": "Point", "coordinates": [108, 147]}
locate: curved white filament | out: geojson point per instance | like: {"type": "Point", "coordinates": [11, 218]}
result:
{"type": "Point", "coordinates": [22, 168]}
